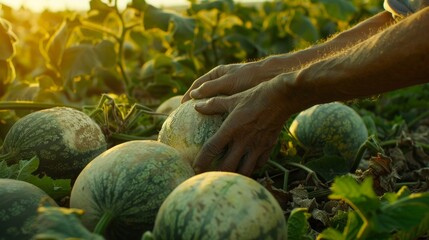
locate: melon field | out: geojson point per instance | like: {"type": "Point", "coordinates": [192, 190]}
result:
{"type": "Point", "coordinates": [94, 143]}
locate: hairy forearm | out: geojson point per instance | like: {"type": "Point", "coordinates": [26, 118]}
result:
{"type": "Point", "coordinates": [295, 60]}
{"type": "Point", "coordinates": [394, 58]}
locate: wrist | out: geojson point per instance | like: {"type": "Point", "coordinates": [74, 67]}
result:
{"type": "Point", "coordinates": [296, 94]}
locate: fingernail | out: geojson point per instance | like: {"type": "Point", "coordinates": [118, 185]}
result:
{"type": "Point", "coordinates": [199, 104]}
{"type": "Point", "coordinates": [194, 93]}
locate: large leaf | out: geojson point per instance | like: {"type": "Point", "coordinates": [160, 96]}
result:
{"type": "Point", "coordinates": [105, 51]}
{"type": "Point", "coordinates": [99, 11]}
{"type": "Point", "coordinates": [182, 27]}
{"type": "Point", "coordinates": [405, 213]}
{"type": "Point", "coordinates": [302, 27]}
{"type": "Point", "coordinates": [84, 58]}
{"type": "Point", "coordinates": [339, 9]}
{"type": "Point", "coordinates": [57, 43]}
{"type": "Point", "coordinates": [360, 196]}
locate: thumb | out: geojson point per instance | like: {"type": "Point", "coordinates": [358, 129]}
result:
{"type": "Point", "coordinates": [211, 106]}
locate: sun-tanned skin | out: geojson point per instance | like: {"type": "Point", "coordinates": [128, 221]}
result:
{"type": "Point", "coordinates": [375, 56]}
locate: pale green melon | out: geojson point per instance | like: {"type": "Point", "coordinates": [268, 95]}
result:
{"type": "Point", "coordinates": [187, 130]}
{"type": "Point", "coordinates": [219, 206]}
{"type": "Point", "coordinates": [125, 186]}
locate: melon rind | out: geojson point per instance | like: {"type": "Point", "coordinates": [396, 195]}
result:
{"type": "Point", "coordinates": [220, 205]}
{"type": "Point", "coordinates": [19, 202]}
{"type": "Point", "coordinates": [187, 130]}
{"type": "Point", "coordinates": [129, 180]}
{"type": "Point", "coordinates": [330, 128]}
{"type": "Point", "coordinates": [64, 140]}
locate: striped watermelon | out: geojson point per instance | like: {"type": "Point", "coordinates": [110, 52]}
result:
{"type": "Point", "coordinates": [220, 205]}
{"type": "Point", "coordinates": [64, 140]}
{"type": "Point", "coordinates": [19, 202]}
{"type": "Point", "coordinates": [331, 128]}
{"type": "Point", "coordinates": [122, 189]}
{"type": "Point", "coordinates": [187, 130]}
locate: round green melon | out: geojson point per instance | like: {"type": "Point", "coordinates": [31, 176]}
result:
{"type": "Point", "coordinates": [220, 205]}
{"type": "Point", "coordinates": [331, 128]}
{"type": "Point", "coordinates": [187, 130]}
{"type": "Point", "coordinates": [19, 202]}
{"type": "Point", "coordinates": [169, 105]}
{"type": "Point", "coordinates": [124, 187]}
{"type": "Point", "coordinates": [64, 140]}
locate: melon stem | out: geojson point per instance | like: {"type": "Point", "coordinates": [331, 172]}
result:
{"type": "Point", "coordinates": [103, 223]}
{"type": "Point", "coordinates": [284, 170]}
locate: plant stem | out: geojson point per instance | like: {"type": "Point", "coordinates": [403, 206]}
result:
{"type": "Point", "coordinates": [103, 223]}
{"type": "Point", "coordinates": [121, 41]}
{"type": "Point", "coordinates": [285, 171]}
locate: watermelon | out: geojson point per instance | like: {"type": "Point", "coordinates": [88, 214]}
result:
{"type": "Point", "coordinates": [330, 128]}
{"type": "Point", "coordinates": [19, 202]}
{"type": "Point", "coordinates": [219, 205]}
{"type": "Point", "coordinates": [187, 130]}
{"type": "Point", "coordinates": [64, 139]}
{"type": "Point", "coordinates": [168, 106]}
{"type": "Point", "coordinates": [122, 189]}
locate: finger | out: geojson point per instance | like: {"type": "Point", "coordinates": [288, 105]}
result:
{"type": "Point", "coordinates": [263, 159]}
{"type": "Point", "coordinates": [232, 158]}
{"type": "Point", "coordinates": [211, 75]}
{"type": "Point", "coordinates": [248, 164]}
{"type": "Point", "coordinates": [214, 105]}
{"type": "Point", "coordinates": [219, 86]}
{"type": "Point", "coordinates": [210, 151]}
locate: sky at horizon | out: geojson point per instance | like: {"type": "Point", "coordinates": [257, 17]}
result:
{"type": "Point", "coordinates": [40, 5]}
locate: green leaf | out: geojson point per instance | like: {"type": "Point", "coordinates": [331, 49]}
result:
{"type": "Point", "coordinates": [329, 166]}
{"type": "Point", "coordinates": [331, 234]}
{"type": "Point", "coordinates": [105, 51]}
{"type": "Point", "coordinates": [297, 225]}
{"type": "Point", "coordinates": [301, 26]}
{"type": "Point", "coordinates": [100, 12]}
{"type": "Point", "coordinates": [23, 170]}
{"type": "Point", "coordinates": [360, 196]}
{"type": "Point", "coordinates": [57, 43]}
{"type": "Point", "coordinates": [61, 223]}
{"type": "Point", "coordinates": [421, 230]}
{"type": "Point", "coordinates": [221, 5]}
{"type": "Point", "coordinates": [339, 9]}
{"type": "Point", "coordinates": [79, 60]}
{"type": "Point", "coordinates": [181, 27]}
{"type": "Point", "coordinates": [7, 171]}
{"type": "Point", "coordinates": [403, 214]}
{"type": "Point", "coordinates": [82, 59]}
{"type": "Point", "coordinates": [138, 4]}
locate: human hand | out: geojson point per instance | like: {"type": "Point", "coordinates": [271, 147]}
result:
{"type": "Point", "coordinates": [248, 134]}
{"type": "Point", "coordinates": [228, 80]}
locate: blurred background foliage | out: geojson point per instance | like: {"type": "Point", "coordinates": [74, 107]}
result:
{"type": "Point", "coordinates": [149, 54]}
